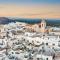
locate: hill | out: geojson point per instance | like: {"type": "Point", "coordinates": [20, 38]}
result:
{"type": "Point", "coordinates": [4, 20]}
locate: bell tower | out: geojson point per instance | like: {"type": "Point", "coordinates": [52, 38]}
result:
{"type": "Point", "coordinates": [43, 26]}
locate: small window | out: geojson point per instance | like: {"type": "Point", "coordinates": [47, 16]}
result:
{"type": "Point", "coordinates": [42, 25]}
{"type": "Point", "coordinates": [53, 44]}
{"type": "Point", "coordinates": [46, 43]}
{"type": "Point", "coordinates": [46, 58]}
{"type": "Point", "coordinates": [37, 58]}
{"type": "Point", "coordinates": [12, 53]}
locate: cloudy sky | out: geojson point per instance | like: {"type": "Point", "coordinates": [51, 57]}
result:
{"type": "Point", "coordinates": [30, 8]}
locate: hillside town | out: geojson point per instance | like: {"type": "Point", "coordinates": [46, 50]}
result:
{"type": "Point", "coordinates": [22, 41]}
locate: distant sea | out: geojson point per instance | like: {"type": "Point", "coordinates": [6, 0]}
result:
{"type": "Point", "coordinates": [50, 22]}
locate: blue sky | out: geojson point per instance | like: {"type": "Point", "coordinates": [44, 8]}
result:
{"type": "Point", "coordinates": [30, 1]}
{"type": "Point", "coordinates": [30, 8]}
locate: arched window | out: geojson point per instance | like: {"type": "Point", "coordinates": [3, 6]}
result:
{"type": "Point", "coordinates": [42, 25]}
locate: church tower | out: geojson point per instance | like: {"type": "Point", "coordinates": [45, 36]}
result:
{"type": "Point", "coordinates": [43, 26]}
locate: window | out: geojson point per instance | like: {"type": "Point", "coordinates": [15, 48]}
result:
{"type": "Point", "coordinates": [46, 58]}
{"type": "Point", "coordinates": [42, 25]}
{"type": "Point", "coordinates": [37, 58]}
{"type": "Point", "coordinates": [46, 43]}
{"type": "Point", "coordinates": [53, 44]}
{"type": "Point", "coordinates": [12, 52]}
